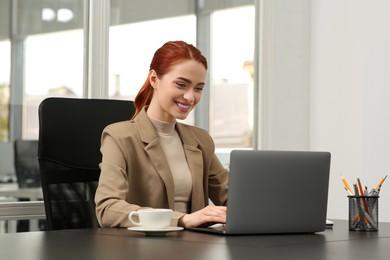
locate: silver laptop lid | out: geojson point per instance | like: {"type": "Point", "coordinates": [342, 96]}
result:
{"type": "Point", "coordinates": [277, 191]}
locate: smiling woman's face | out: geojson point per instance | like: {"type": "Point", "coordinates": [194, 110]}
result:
{"type": "Point", "coordinates": [177, 92]}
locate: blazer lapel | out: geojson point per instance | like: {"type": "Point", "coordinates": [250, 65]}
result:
{"type": "Point", "coordinates": [195, 163]}
{"type": "Point", "coordinates": [153, 148]}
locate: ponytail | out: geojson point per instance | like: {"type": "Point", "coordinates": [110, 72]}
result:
{"type": "Point", "coordinates": [143, 97]}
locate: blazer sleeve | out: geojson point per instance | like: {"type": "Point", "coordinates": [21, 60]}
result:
{"type": "Point", "coordinates": [112, 209]}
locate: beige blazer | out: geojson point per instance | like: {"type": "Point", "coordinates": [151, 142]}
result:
{"type": "Point", "coordinates": [135, 172]}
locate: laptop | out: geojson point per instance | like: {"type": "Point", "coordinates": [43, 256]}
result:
{"type": "Point", "coordinates": [276, 192]}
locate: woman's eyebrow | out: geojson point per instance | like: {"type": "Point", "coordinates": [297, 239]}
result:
{"type": "Point", "coordinates": [189, 81]}
{"type": "Point", "coordinates": [185, 79]}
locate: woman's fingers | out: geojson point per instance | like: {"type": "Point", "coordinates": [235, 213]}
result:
{"type": "Point", "coordinates": [206, 216]}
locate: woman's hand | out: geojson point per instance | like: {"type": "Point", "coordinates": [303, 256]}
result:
{"type": "Point", "coordinates": [205, 217]}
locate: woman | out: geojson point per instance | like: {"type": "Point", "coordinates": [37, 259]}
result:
{"type": "Point", "coordinates": [154, 161]}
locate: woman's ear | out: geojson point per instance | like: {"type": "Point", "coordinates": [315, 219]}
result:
{"type": "Point", "coordinates": [153, 78]}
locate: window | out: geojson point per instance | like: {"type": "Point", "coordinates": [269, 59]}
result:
{"type": "Point", "coordinates": [5, 53]}
{"type": "Point", "coordinates": [53, 67]}
{"type": "Point", "coordinates": [232, 53]}
{"type": "Point", "coordinates": [48, 50]}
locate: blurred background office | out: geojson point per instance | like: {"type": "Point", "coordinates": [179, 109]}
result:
{"type": "Point", "coordinates": [291, 75]}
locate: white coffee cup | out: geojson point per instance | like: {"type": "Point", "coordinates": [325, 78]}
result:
{"type": "Point", "coordinates": [151, 218]}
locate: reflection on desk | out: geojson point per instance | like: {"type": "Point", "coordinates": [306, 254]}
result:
{"type": "Point", "coordinates": [336, 243]}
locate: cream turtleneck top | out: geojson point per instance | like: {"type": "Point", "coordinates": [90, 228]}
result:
{"type": "Point", "coordinates": [174, 152]}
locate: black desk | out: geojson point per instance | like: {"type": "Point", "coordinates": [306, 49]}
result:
{"type": "Point", "coordinates": [117, 244]}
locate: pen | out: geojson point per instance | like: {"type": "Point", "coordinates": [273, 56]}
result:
{"type": "Point", "coordinates": [380, 183]}
{"type": "Point", "coordinates": [355, 187]}
{"type": "Point", "coordinates": [346, 185]}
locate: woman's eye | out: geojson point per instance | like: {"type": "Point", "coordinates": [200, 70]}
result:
{"type": "Point", "coordinates": [180, 85]}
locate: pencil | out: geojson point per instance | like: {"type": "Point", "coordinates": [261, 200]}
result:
{"type": "Point", "coordinates": [380, 183]}
{"type": "Point", "coordinates": [346, 184]}
{"type": "Point", "coordinates": [349, 193]}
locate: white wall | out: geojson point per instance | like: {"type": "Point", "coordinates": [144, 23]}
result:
{"type": "Point", "coordinates": [325, 85]}
{"type": "Point", "coordinates": [350, 90]}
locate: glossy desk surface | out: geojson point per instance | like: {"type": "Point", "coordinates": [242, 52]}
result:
{"type": "Point", "coordinates": [117, 244]}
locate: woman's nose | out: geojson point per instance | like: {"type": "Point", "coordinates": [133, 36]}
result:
{"type": "Point", "coordinates": [189, 96]}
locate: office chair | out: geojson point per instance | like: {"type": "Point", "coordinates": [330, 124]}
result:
{"type": "Point", "coordinates": [69, 155]}
{"type": "Point", "coordinates": [26, 163]}
{"type": "Point", "coordinates": [27, 174]}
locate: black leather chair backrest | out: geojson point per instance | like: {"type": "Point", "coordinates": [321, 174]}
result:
{"type": "Point", "coordinates": [69, 155]}
{"type": "Point", "coordinates": [26, 163]}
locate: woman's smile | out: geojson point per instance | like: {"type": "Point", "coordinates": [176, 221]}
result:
{"type": "Point", "coordinates": [183, 107]}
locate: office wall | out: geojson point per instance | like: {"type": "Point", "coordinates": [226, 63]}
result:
{"type": "Point", "coordinates": [350, 108]}
{"type": "Point", "coordinates": [330, 59]}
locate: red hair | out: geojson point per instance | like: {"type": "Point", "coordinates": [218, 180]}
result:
{"type": "Point", "coordinates": [170, 54]}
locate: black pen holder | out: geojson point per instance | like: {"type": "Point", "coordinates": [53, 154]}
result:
{"type": "Point", "coordinates": [363, 213]}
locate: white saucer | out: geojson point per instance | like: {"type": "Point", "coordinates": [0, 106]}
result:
{"type": "Point", "coordinates": [155, 231]}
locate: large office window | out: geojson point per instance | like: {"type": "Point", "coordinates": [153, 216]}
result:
{"type": "Point", "coordinates": [60, 72]}
{"type": "Point", "coordinates": [232, 96]}
{"type": "Point", "coordinates": [48, 40]}
{"type": "Point", "coordinates": [5, 68]}
{"type": "Point", "coordinates": [5, 54]}
{"type": "Point", "coordinates": [45, 56]}
{"type": "Point", "coordinates": [41, 55]}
